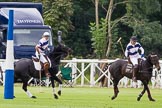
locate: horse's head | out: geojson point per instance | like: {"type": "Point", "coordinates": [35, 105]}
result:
{"type": "Point", "coordinates": [60, 51]}
{"type": "Point", "coordinates": [64, 49]}
{"type": "Point", "coordinates": [154, 59]}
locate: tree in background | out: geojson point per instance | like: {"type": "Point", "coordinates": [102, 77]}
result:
{"type": "Point", "coordinates": [145, 28]}
{"type": "Point", "coordinates": [79, 39]}
{"type": "Point", "coordinates": [57, 14]}
{"type": "Point", "coordinates": [123, 18]}
{"type": "Point", "coordinates": [110, 27]}
{"type": "Point", "coordinates": [133, 20]}
{"type": "Point", "coordinates": [99, 38]}
{"type": "Point", "coordinates": [98, 32]}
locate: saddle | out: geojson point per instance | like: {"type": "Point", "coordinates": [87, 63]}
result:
{"type": "Point", "coordinates": [37, 63]}
{"type": "Point", "coordinates": [129, 67]}
{"type": "Point", "coordinates": [35, 59]}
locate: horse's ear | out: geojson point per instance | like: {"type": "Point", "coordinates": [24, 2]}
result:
{"type": "Point", "coordinates": [153, 53]}
{"type": "Point", "coordinates": [148, 57]}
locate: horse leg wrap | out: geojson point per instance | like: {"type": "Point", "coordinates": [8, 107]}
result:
{"type": "Point", "coordinates": [29, 94]}
{"type": "Point", "coordinates": [140, 95]}
{"type": "Point", "coordinates": [60, 87]}
{"type": "Point", "coordinates": [54, 90]}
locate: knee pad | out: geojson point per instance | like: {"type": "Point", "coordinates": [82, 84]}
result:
{"type": "Point", "coordinates": [46, 65]}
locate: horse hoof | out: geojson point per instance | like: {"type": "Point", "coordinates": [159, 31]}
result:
{"type": "Point", "coordinates": [59, 92]}
{"type": "Point", "coordinates": [113, 98]}
{"type": "Point", "coordinates": [138, 99]}
{"type": "Point", "coordinates": [55, 96]}
{"type": "Point", "coordinates": [152, 99]}
{"type": "Point", "coordinates": [34, 97]}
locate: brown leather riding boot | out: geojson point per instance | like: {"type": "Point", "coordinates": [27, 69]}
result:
{"type": "Point", "coordinates": [135, 70]}
{"type": "Point", "coordinates": [46, 67]}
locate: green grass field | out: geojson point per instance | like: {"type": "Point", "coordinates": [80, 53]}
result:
{"type": "Point", "coordinates": [79, 97]}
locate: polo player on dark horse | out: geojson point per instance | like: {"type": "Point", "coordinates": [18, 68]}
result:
{"type": "Point", "coordinates": [40, 53]}
{"type": "Point", "coordinates": [132, 52]}
{"type": "Point", "coordinates": [119, 68]}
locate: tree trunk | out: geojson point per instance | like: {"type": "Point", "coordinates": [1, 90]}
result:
{"type": "Point", "coordinates": [96, 11]}
{"type": "Point", "coordinates": [108, 18]}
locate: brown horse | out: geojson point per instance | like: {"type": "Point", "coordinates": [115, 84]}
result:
{"type": "Point", "coordinates": [118, 70]}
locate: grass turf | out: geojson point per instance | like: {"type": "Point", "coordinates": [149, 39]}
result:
{"type": "Point", "coordinates": [79, 97]}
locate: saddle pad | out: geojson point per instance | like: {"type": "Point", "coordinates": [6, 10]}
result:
{"type": "Point", "coordinates": [37, 65]}
{"type": "Point", "coordinates": [129, 68]}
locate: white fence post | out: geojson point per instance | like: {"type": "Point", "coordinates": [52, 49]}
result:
{"type": "Point", "coordinates": [160, 74]}
{"type": "Point", "coordinates": [74, 70]}
{"type": "Point", "coordinates": [92, 75]}
{"type": "Point", "coordinates": [82, 76]}
{"type": "Point", "coordinates": [161, 79]}
{"type": "Point", "coordinates": [108, 81]}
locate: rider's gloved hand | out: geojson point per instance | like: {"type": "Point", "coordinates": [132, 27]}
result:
{"type": "Point", "coordinates": [142, 57]}
{"type": "Point", "coordinates": [48, 49]}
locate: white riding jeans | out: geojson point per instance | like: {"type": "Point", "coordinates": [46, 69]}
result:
{"type": "Point", "coordinates": [134, 61]}
{"type": "Point", "coordinates": [42, 58]}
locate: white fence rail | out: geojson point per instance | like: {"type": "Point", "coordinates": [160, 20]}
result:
{"type": "Point", "coordinates": [85, 72]}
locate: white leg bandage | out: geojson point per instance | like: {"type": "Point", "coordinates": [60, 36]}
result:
{"type": "Point", "coordinates": [60, 87]}
{"type": "Point", "coordinates": [54, 91]}
{"type": "Point", "coordinates": [29, 94]}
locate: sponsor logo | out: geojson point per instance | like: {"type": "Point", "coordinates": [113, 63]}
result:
{"type": "Point", "coordinates": [28, 21]}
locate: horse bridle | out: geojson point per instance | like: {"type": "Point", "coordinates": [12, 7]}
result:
{"type": "Point", "coordinates": [153, 58]}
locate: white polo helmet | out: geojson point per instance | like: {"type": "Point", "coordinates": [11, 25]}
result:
{"type": "Point", "coordinates": [46, 34]}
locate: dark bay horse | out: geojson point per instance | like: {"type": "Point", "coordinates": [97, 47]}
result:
{"type": "Point", "coordinates": [24, 69]}
{"type": "Point", "coordinates": [117, 70]}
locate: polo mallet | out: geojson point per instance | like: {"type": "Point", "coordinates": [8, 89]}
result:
{"type": "Point", "coordinates": [59, 33]}
{"type": "Point", "coordinates": [119, 41]}
{"type": "Point", "coordinates": [40, 88]}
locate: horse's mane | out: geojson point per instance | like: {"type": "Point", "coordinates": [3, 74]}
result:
{"type": "Point", "coordinates": [148, 59]}
{"type": "Point", "coordinates": [60, 51]}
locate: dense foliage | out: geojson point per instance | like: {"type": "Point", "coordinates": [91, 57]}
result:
{"type": "Point", "coordinates": [76, 18]}
{"type": "Point", "coordinates": [134, 17]}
